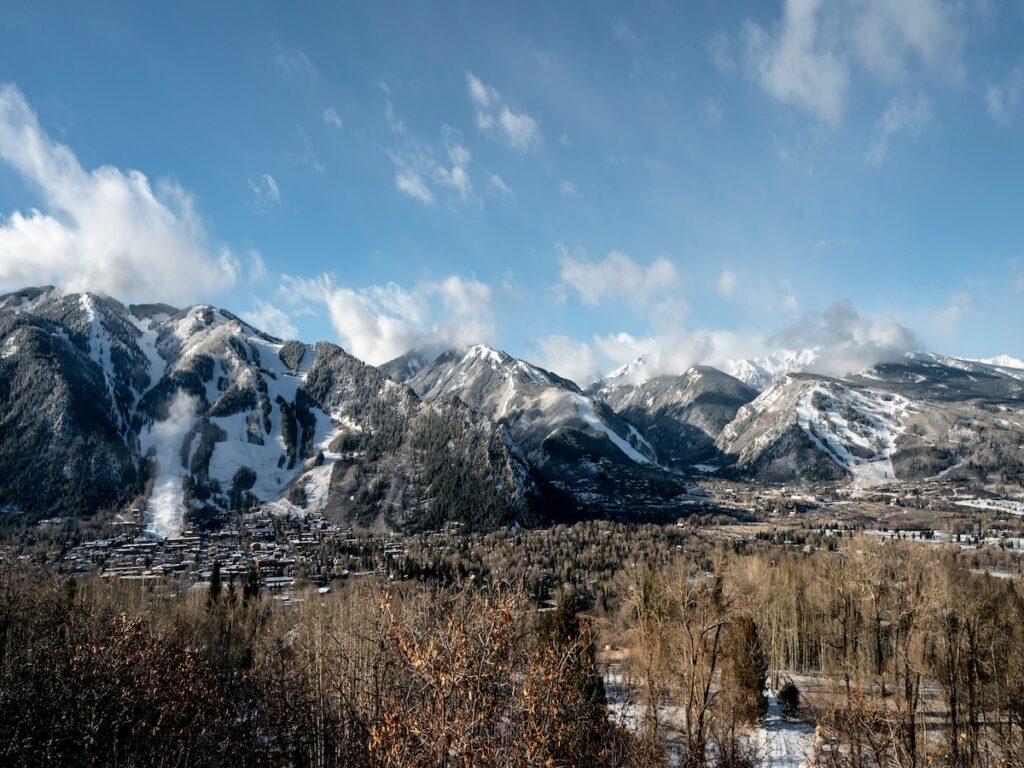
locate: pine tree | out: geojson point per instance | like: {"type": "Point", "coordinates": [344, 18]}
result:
{"type": "Point", "coordinates": [213, 597]}
{"type": "Point", "coordinates": [251, 586]}
{"type": "Point", "coordinates": [745, 670]}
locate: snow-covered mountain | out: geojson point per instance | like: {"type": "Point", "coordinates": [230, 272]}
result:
{"type": "Point", "coordinates": [538, 406]}
{"type": "Point", "coordinates": [813, 428]}
{"type": "Point", "coordinates": [681, 415]}
{"type": "Point", "coordinates": [194, 413]}
{"type": "Point", "coordinates": [924, 416]}
{"type": "Point", "coordinates": [761, 372]}
{"type": "Point", "coordinates": [576, 441]}
{"type": "Point", "coordinates": [1002, 361]}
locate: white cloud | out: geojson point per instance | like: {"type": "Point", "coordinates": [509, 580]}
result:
{"type": "Point", "coordinates": [573, 360]}
{"type": "Point", "coordinates": [727, 282]}
{"type": "Point", "coordinates": [958, 310]}
{"type": "Point", "coordinates": [421, 175]}
{"type": "Point", "coordinates": [1003, 99]}
{"type": "Point", "coordinates": [412, 184]}
{"type": "Point", "coordinates": [903, 117]}
{"type": "Point", "coordinates": [394, 122]}
{"type": "Point", "coordinates": [846, 340]}
{"type": "Point", "coordinates": [104, 230]}
{"type": "Point", "coordinates": [381, 322]}
{"type": "Point", "coordinates": [807, 60]}
{"type": "Point", "coordinates": [516, 129]}
{"type": "Point", "coordinates": [267, 317]}
{"type": "Point", "coordinates": [267, 193]}
{"type": "Point", "coordinates": [568, 189]}
{"type": "Point", "coordinates": [498, 185]}
{"type": "Point", "coordinates": [617, 276]}
{"type": "Point", "coordinates": [801, 64]}
{"type": "Point", "coordinates": [618, 349]}
{"type": "Point", "coordinates": [332, 119]}
{"type": "Point", "coordinates": [456, 177]}
{"type": "Point", "coordinates": [294, 62]}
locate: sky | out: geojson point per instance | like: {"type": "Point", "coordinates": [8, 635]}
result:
{"type": "Point", "coordinates": [575, 183]}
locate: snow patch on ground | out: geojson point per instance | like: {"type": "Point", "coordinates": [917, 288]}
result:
{"type": "Point", "coordinates": [705, 469]}
{"type": "Point", "coordinates": [785, 743]}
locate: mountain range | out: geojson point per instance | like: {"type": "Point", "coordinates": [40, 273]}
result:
{"type": "Point", "coordinates": [193, 415]}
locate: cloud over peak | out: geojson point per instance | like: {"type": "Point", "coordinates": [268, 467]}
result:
{"type": "Point", "coordinates": [104, 230]}
{"type": "Point", "coordinates": [381, 322]}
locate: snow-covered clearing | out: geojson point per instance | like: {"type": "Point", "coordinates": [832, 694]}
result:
{"type": "Point", "coordinates": [785, 743]}
{"type": "Point", "coordinates": [1008, 506]}
{"type": "Point", "coordinates": [778, 741]}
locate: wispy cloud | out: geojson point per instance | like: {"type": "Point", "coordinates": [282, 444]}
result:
{"type": "Point", "coordinates": [727, 282]}
{"type": "Point", "coordinates": [574, 360]}
{"type": "Point", "coordinates": [332, 119]}
{"type": "Point", "coordinates": [949, 319]}
{"type": "Point", "coordinates": [266, 192]}
{"type": "Point", "coordinates": [1003, 99]}
{"type": "Point", "coordinates": [498, 185]}
{"type": "Point", "coordinates": [409, 182]}
{"type": "Point", "coordinates": [294, 62]}
{"type": "Point", "coordinates": [421, 175]}
{"type": "Point", "coordinates": [518, 130]}
{"type": "Point", "coordinates": [617, 276]}
{"type": "Point", "coordinates": [273, 320]}
{"type": "Point", "coordinates": [903, 117]}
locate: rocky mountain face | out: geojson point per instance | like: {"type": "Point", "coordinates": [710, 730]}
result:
{"type": "Point", "coordinates": [195, 413]}
{"type": "Point", "coordinates": [683, 415]}
{"type": "Point", "coordinates": [578, 442]}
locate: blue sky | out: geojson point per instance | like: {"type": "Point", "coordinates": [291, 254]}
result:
{"type": "Point", "coordinates": [574, 182]}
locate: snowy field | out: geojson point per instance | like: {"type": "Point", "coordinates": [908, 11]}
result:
{"type": "Point", "coordinates": [780, 741]}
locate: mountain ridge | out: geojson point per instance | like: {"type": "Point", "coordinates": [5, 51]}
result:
{"type": "Point", "coordinates": [193, 414]}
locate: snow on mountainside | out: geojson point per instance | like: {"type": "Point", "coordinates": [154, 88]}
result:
{"type": "Point", "coordinates": [633, 372]}
{"type": "Point", "coordinates": [820, 429]}
{"type": "Point", "coordinates": [858, 429]}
